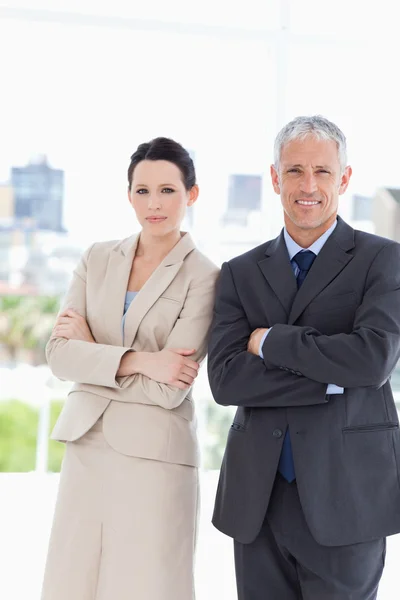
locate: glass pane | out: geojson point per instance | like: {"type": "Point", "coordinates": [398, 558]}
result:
{"type": "Point", "coordinates": [91, 104]}
{"type": "Point", "coordinates": [253, 13]}
{"type": "Point", "coordinates": [368, 20]}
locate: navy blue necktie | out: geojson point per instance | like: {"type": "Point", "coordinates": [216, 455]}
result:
{"type": "Point", "coordinates": [304, 260]}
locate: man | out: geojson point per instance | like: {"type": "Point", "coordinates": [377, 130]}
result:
{"type": "Point", "coordinates": [305, 337]}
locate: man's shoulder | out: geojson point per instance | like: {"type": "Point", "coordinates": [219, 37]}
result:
{"type": "Point", "coordinates": [364, 240]}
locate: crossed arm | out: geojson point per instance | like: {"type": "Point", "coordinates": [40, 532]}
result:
{"type": "Point", "coordinates": [73, 354]}
{"type": "Point", "coordinates": [299, 362]}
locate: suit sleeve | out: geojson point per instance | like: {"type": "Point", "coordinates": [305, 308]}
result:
{"type": "Point", "coordinates": [190, 331]}
{"type": "Point", "coordinates": [239, 378]}
{"type": "Point", "coordinates": [76, 360]}
{"type": "Point", "coordinates": [364, 357]}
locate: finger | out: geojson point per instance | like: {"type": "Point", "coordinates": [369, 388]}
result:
{"type": "Point", "coordinates": [191, 364]}
{"type": "Point", "coordinates": [62, 329]}
{"type": "Point", "coordinates": [186, 379]}
{"type": "Point", "coordinates": [63, 320]}
{"type": "Point", "coordinates": [183, 351]}
{"type": "Point", "coordinates": [190, 372]}
{"type": "Point", "coordinates": [70, 312]}
{"type": "Point", "coordinates": [61, 333]}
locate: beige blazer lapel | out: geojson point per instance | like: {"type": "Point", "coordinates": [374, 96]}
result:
{"type": "Point", "coordinates": [155, 286]}
{"type": "Point", "coordinates": [116, 284]}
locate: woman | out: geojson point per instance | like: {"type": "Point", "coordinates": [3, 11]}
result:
{"type": "Point", "coordinates": [131, 334]}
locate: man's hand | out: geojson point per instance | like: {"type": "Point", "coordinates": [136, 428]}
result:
{"type": "Point", "coordinates": [71, 326]}
{"type": "Point", "coordinates": [253, 345]}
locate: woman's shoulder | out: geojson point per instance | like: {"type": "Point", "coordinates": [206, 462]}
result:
{"type": "Point", "coordinates": [102, 248]}
{"type": "Point", "coordinates": [201, 265]}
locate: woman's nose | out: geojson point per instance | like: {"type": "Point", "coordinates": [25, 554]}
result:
{"type": "Point", "coordinates": [154, 201]}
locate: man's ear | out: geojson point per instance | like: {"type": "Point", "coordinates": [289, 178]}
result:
{"type": "Point", "coordinates": [275, 179]}
{"type": "Point", "coordinates": [345, 180]}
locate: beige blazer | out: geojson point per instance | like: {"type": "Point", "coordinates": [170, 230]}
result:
{"type": "Point", "coordinates": [141, 417]}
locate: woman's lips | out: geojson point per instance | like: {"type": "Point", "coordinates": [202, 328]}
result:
{"type": "Point", "coordinates": [155, 219]}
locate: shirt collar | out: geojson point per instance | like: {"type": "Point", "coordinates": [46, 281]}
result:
{"type": "Point", "coordinates": [293, 248]}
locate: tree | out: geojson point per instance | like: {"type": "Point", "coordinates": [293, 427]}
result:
{"type": "Point", "coordinates": [26, 323]}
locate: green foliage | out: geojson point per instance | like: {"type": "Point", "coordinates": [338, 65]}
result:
{"type": "Point", "coordinates": [18, 430]}
{"type": "Point", "coordinates": [56, 449]}
{"type": "Point", "coordinates": [18, 426]}
{"type": "Point", "coordinates": [219, 420]}
{"type": "Point", "coordinates": [26, 323]}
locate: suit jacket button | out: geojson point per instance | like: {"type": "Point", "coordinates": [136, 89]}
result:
{"type": "Point", "coordinates": [277, 433]}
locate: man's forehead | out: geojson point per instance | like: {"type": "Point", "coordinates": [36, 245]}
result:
{"type": "Point", "coordinates": [314, 151]}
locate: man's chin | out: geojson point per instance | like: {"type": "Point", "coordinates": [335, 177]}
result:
{"type": "Point", "coordinates": [308, 225]}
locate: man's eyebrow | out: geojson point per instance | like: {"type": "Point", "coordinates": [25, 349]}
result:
{"type": "Point", "coordinates": [298, 165]}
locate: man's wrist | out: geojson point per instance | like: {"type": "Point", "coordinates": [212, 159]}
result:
{"type": "Point", "coordinates": [260, 349]}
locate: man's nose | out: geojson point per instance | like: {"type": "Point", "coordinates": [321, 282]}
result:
{"type": "Point", "coordinates": [309, 183]}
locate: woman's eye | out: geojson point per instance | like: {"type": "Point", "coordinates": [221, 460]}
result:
{"type": "Point", "coordinates": [141, 191]}
{"type": "Point", "coordinates": [167, 190]}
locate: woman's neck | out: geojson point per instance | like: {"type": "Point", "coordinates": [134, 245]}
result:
{"type": "Point", "coordinates": [155, 249]}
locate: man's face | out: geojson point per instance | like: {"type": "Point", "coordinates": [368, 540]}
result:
{"type": "Point", "coordinates": [309, 181]}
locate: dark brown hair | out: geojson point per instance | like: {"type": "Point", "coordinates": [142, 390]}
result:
{"type": "Point", "coordinates": [162, 148]}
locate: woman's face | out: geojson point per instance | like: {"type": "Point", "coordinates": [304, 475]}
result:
{"type": "Point", "coordinates": [159, 196]}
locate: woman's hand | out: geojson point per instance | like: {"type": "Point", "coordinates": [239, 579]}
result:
{"type": "Point", "coordinates": [171, 366]}
{"type": "Point", "coordinates": [71, 326]}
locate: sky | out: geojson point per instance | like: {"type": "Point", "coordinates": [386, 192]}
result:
{"type": "Point", "coordinates": [87, 96]}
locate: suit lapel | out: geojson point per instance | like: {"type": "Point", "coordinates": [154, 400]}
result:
{"type": "Point", "coordinates": [116, 284]}
{"type": "Point", "coordinates": [329, 263]}
{"type": "Point", "coordinates": [278, 272]}
{"type": "Point", "coordinates": [155, 286]}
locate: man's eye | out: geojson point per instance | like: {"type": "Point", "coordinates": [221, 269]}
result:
{"type": "Point", "coordinates": [322, 171]}
{"type": "Point", "coordinates": [293, 170]}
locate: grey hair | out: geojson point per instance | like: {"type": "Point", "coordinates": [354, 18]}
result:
{"type": "Point", "coordinates": [318, 126]}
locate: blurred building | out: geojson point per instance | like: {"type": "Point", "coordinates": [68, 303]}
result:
{"type": "Point", "coordinates": [15, 244]}
{"type": "Point", "coordinates": [39, 194]}
{"type": "Point", "coordinates": [361, 208]}
{"type": "Point", "coordinates": [36, 261]}
{"type": "Point", "coordinates": [36, 254]}
{"type": "Point", "coordinates": [244, 197]}
{"type": "Point", "coordinates": [386, 213]}
{"type": "Point", "coordinates": [358, 212]}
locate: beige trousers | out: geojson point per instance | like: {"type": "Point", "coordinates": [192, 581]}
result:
{"type": "Point", "coordinates": [124, 527]}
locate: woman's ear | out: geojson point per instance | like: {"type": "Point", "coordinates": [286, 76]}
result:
{"type": "Point", "coordinates": [193, 195]}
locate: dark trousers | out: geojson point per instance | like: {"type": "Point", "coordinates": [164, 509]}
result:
{"type": "Point", "coordinates": [285, 562]}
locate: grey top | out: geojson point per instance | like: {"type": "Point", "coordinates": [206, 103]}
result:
{"type": "Point", "coordinates": [128, 300]}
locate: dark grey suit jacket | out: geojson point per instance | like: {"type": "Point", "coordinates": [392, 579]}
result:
{"type": "Point", "coordinates": [342, 327]}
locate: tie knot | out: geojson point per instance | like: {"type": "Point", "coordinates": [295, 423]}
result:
{"type": "Point", "coordinates": [304, 259]}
